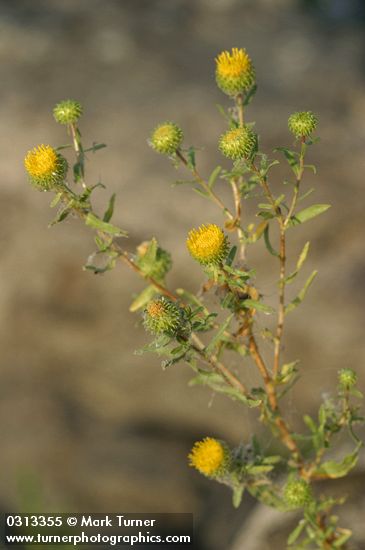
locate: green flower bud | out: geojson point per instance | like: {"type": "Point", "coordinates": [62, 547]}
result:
{"type": "Point", "coordinates": [162, 316]}
{"type": "Point", "coordinates": [166, 138]}
{"type": "Point", "coordinates": [235, 72]}
{"type": "Point", "coordinates": [302, 124]}
{"type": "Point", "coordinates": [46, 167]}
{"type": "Point", "coordinates": [297, 493]}
{"type": "Point", "coordinates": [239, 143]}
{"type": "Point", "coordinates": [347, 378]}
{"type": "Point", "coordinates": [155, 265]}
{"type": "Point", "coordinates": [67, 111]}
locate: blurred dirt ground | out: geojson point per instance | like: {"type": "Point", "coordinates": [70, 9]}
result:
{"type": "Point", "coordinates": [85, 424]}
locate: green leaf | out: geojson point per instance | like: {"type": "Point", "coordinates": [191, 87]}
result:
{"type": "Point", "coordinates": [238, 396]}
{"type": "Point", "coordinates": [97, 223]}
{"type": "Point", "coordinates": [274, 459]}
{"type": "Point", "coordinates": [183, 182]}
{"type": "Point", "coordinates": [303, 255]}
{"type": "Point", "coordinates": [149, 257]}
{"type": "Point", "coordinates": [334, 470]}
{"type": "Point", "coordinates": [231, 255]}
{"type": "Point", "coordinates": [95, 147]}
{"type": "Point", "coordinates": [340, 541]}
{"type": "Point", "coordinates": [143, 298]}
{"type": "Point", "coordinates": [78, 171]}
{"type": "Point", "coordinates": [254, 304]}
{"type": "Point", "coordinates": [286, 372]}
{"type": "Point", "coordinates": [249, 95]}
{"type": "Point", "coordinates": [294, 535]}
{"type": "Point", "coordinates": [103, 244]}
{"type": "Point", "coordinates": [256, 469]}
{"type": "Point", "coordinates": [268, 243]}
{"type": "Point", "coordinates": [292, 157]}
{"type": "Point", "coordinates": [222, 111]}
{"type": "Point", "coordinates": [56, 200]}
{"type": "Point", "coordinates": [259, 231]}
{"type": "Point", "coordinates": [213, 176]}
{"type": "Point", "coordinates": [62, 215]}
{"type": "Point", "coordinates": [191, 298]}
{"type": "Point", "coordinates": [201, 192]}
{"type": "Point", "coordinates": [309, 213]}
{"type": "Point", "coordinates": [237, 495]}
{"type": "Point", "coordinates": [311, 167]}
{"type": "Point", "coordinates": [191, 157]}
{"type": "Point", "coordinates": [266, 165]}
{"type": "Point", "coordinates": [299, 299]}
{"type": "Point", "coordinates": [206, 378]}
{"type": "Point", "coordinates": [306, 194]}
{"type": "Point", "coordinates": [356, 393]}
{"type": "Point", "coordinates": [217, 337]}
{"type": "Point", "coordinates": [109, 212]}
{"type": "Point", "coordinates": [310, 423]}
{"type": "Point", "coordinates": [217, 383]}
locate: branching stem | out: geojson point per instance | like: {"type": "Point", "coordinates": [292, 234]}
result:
{"type": "Point", "coordinates": [201, 181]}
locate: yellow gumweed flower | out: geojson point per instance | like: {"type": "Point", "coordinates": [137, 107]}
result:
{"type": "Point", "coordinates": [45, 167]}
{"type": "Point", "coordinates": [235, 72]}
{"type": "Point", "coordinates": [208, 456]}
{"type": "Point", "coordinates": [208, 244]}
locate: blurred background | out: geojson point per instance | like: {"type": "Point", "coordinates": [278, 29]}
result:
{"type": "Point", "coordinates": [85, 424]}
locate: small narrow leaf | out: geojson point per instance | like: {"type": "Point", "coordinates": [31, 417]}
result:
{"type": "Point", "coordinates": [109, 212]}
{"type": "Point", "coordinates": [311, 167]}
{"type": "Point", "coordinates": [95, 147]}
{"type": "Point", "coordinates": [303, 255]}
{"type": "Point", "coordinates": [56, 200]}
{"type": "Point", "coordinates": [259, 231]}
{"type": "Point", "coordinates": [294, 535]}
{"type": "Point", "coordinates": [292, 157]}
{"type": "Point", "coordinates": [217, 337]}
{"type": "Point", "coordinates": [231, 256]}
{"type": "Point", "coordinates": [341, 540]}
{"type": "Point", "coordinates": [97, 223]}
{"type": "Point", "coordinates": [335, 470]}
{"type": "Point", "coordinates": [191, 157]}
{"type": "Point", "coordinates": [201, 193]}
{"type": "Point", "coordinates": [213, 176]}
{"type": "Point", "coordinates": [62, 215]}
{"type": "Point", "coordinates": [143, 298]}
{"type": "Point", "coordinates": [250, 95]}
{"type": "Point", "coordinates": [267, 242]}
{"type": "Point", "coordinates": [306, 194]}
{"type": "Point", "coordinates": [309, 213]}
{"type": "Point", "coordinates": [237, 495]}
{"type": "Point", "coordinates": [254, 304]}
{"type": "Point", "coordinates": [299, 299]}
{"type": "Point", "coordinates": [150, 254]}
{"type": "Point", "coordinates": [78, 171]}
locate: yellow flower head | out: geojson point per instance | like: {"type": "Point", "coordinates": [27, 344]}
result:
{"type": "Point", "coordinates": [45, 167]}
{"type": "Point", "coordinates": [208, 244]}
{"type": "Point", "coordinates": [208, 456]}
{"type": "Point", "coordinates": [235, 72]}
